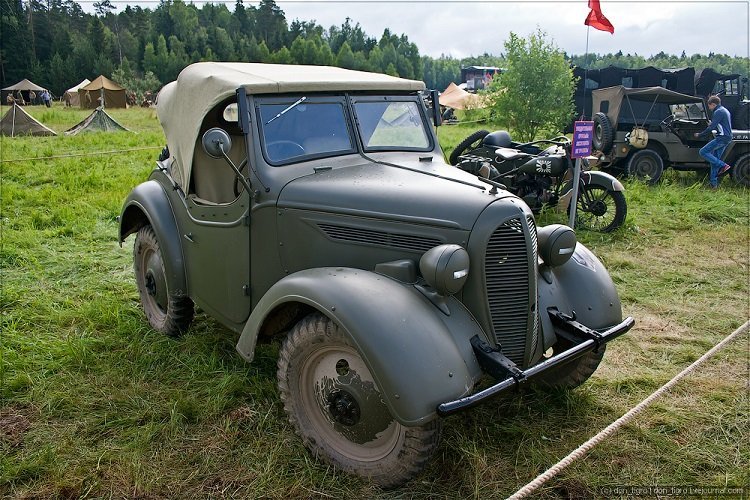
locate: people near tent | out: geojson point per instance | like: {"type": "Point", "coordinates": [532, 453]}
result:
{"type": "Point", "coordinates": [19, 98]}
{"type": "Point", "coordinates": [46, 98]}
{"type": "Point", "coordinates": [9, 99]}
{"type": "Point", "coordinates": [32, 97]}
{"type": "Point", "coordinates": [66, 98]}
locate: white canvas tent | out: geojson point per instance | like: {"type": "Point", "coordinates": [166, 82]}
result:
{"type": "Point", "coordinates": [71, 97]}
{"type": "Point", "coordinates": [456, 98]}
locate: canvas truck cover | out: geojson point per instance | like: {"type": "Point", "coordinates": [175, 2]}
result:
{"type": "Point", "coordinates": [616, 95]}
{"type": "Point", "coordinates": [182, 104]}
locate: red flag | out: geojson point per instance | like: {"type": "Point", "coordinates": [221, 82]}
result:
{"type": "Point", "coordinates": [596, 19]}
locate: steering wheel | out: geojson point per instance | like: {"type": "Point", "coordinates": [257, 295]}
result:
{"type": "Point", "coordinates": [284, 149]}
{"type": "Point", "coordinates": [666, 123]}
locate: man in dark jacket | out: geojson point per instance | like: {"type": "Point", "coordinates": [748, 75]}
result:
{"type": "Point", "coordinates": [721, 127]}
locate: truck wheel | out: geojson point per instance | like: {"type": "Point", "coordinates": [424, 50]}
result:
{"type": "Point", "coordinates": [603, 134]}
{"type": "Point", "coordinates": [471, 142]}
{"type": "Point", "coordinates": [600, 209]}
{"type": "Point", "coordinates": [574, 373]}
{"type": "Point", "coordinates": [646, 165]}
{"type": "Point", "coordinates": [336, 408]}
{"type": "Point", "coordinates": [167, 312]}
{"type": "Point", "coordinates": [741, 170]}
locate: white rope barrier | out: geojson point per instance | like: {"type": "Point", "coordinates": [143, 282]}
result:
{"type": "Point", "coordinates": [614, 426]}
{"type": "Point", "coordinates": [94, 153]}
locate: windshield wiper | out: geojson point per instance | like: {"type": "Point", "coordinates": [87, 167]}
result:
{"type": "Point", "coordinates": [287, 109]}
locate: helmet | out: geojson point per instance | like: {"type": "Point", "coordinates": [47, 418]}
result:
{"type": "Point", "coordinates": [499, 139]}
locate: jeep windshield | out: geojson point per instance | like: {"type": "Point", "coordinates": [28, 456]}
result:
{"type": "Point", "coordinates": [298, 128]}
{"type": "Point", "coordinates": [688, 111]}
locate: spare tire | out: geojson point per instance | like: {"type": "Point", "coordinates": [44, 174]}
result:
{"type": "Point", "coordinates": [471, 142]}
{"type": "Point", "coordinates": [603, 133]}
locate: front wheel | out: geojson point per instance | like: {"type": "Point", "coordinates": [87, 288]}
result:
{"type": "Point", "coordinates": [600, 209]}
{"type": "Point", "coordinates": [574, 373]}
{"type": "Point", "coordinates": [646, 165]}
{"type": "Point", "coordinates": [337, 409]}
{"type": "Point", "coordinates": [167, 311]}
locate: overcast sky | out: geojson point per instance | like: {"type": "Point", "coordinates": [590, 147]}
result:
{"type": "Point", "coordinates": [463, 28]}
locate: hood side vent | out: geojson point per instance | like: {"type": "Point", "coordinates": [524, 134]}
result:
{"type": "Point", "coordinates": [379, 238]}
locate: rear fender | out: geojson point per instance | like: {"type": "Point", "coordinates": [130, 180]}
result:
{"type": "Point", "coordinates": [581, 285]}
{"type": "Point", "coordinates": [148, 204]}
{"type": "Point", "coordinates": [418, 356]}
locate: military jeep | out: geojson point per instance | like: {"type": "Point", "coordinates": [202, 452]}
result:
{"type": "Point", "coordinates": [642, 131]}
{"type": "Point", "coordinates": [313, 205]}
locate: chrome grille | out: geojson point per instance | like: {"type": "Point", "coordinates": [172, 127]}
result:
{"type": "Point", "coordinates": [380, 238]}
{"type": "Point", "coordinates": [534, 249]}
{"type": "Point", "coordinates": [508, 286]}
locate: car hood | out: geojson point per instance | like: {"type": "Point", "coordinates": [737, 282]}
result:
{"type": "Point", "coordinates": [403, 189]}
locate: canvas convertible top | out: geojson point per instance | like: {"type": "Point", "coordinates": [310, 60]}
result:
{"type": "Point", "coordinates": [617, 94]}
{"type": "Point", "coordinates": [182, 104]}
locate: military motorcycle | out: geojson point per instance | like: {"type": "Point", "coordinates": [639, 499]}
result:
{"type": "Point", "coordinates": [541, 173]}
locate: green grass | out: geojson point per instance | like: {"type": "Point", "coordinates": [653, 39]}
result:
{"type": "Point", "coordinates": [94, 403]}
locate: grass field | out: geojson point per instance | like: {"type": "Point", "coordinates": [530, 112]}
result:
{"type": "Point", "coordinates": [95, 404]}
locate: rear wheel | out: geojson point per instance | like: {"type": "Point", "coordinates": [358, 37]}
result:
{"type": "Point", "coordinates": [646, 165]}
{"type": "Point", "coordinates": [741, 170]}
{"type": "Point", "coordinates": [600, 209]}
{"type": "Point", "coordinates": [573, 373]}
{"type": "Point", "coordinates": [337, 409]}
{"type": "Point", "coordinates": [166, 311]}
{"type": "Point", "coordinates": [471, 142]}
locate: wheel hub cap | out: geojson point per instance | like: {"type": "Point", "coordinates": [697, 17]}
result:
{"type": "Point", "coordinates": [344, 408]}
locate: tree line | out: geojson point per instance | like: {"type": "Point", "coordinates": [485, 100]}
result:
{"type": "Point", "coordinates": [56, 44]}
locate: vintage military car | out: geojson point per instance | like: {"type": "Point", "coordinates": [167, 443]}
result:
{"type": "Point", "coordinates": [642, 131]}
{"type": "Point", "coordinates": [313, 204]}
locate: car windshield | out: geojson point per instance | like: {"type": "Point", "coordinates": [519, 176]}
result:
{"type": "Point", "coordinates": [691, 111]}
{"type": "Point", "coordinates": [300, 129]}
{"type": "Point", "coordinates": [391, 125]}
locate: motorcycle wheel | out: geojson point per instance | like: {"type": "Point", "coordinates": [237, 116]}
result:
{"type": "Point", "coordinates": [600, 209]}
{"type": "Point", "coordinates": [471, 142]}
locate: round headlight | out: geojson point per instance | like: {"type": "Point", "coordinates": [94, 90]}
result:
{"type": "Point", "coordinates": [556, 244]}
{"type": "Point", "coordinates": [445, 268]}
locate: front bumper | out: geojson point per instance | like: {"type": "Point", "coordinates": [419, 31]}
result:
{"type": "Point", "coordinates": [493, 362]}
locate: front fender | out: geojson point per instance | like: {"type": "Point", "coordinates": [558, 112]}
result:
{"type": "Point", "coordinates": [582, 285]}
{"type": "Point", "coordinates": [418, 356]}
{"type": "Point", "coordinates": [602, 179]}
{"type": "Point", "coordinates": [146, 204]}
{"type": "Point", "coordinates": [594, 177]}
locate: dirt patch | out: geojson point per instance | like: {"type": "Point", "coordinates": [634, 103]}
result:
{"type": "Point", "coordinates": [14, 422]}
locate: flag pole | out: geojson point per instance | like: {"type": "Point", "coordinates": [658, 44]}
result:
{"type": "Point", "coordinates": [585, 71]}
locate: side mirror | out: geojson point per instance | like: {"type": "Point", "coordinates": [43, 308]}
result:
{"type": "Point", "coordinates": [216, 143]}
{"type": "Point", "coordinates": [437, 119]}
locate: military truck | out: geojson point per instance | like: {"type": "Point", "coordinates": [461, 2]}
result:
{"type": "Point", "coordinates": [312, 205]}
{"type": "Point", "coordinates": [642, 131]}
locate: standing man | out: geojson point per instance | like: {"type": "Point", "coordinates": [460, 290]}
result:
{"type": "Point", "coordinates": [721, 127]}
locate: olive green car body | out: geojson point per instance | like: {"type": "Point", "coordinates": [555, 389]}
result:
{"type": "Point", "coordinates": [343, 235]}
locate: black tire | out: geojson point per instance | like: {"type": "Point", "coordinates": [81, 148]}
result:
{"type": "Point", "coordinates": [334, 405]}
{"type": "Point", "coordinates": [741, 170]}
{"type": "Point", "coordinates": [646, 165]}
{"type": "Point", "coordinates": [471, 142]}
{"type": "Point", "coordinates": [600, 209]}
{"type": "Point", "coordinates": [166, 311]}
{"type": "Point", "coordinates": [573, 373]}
{"type": "Point", "coordinates": [603, 133]}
